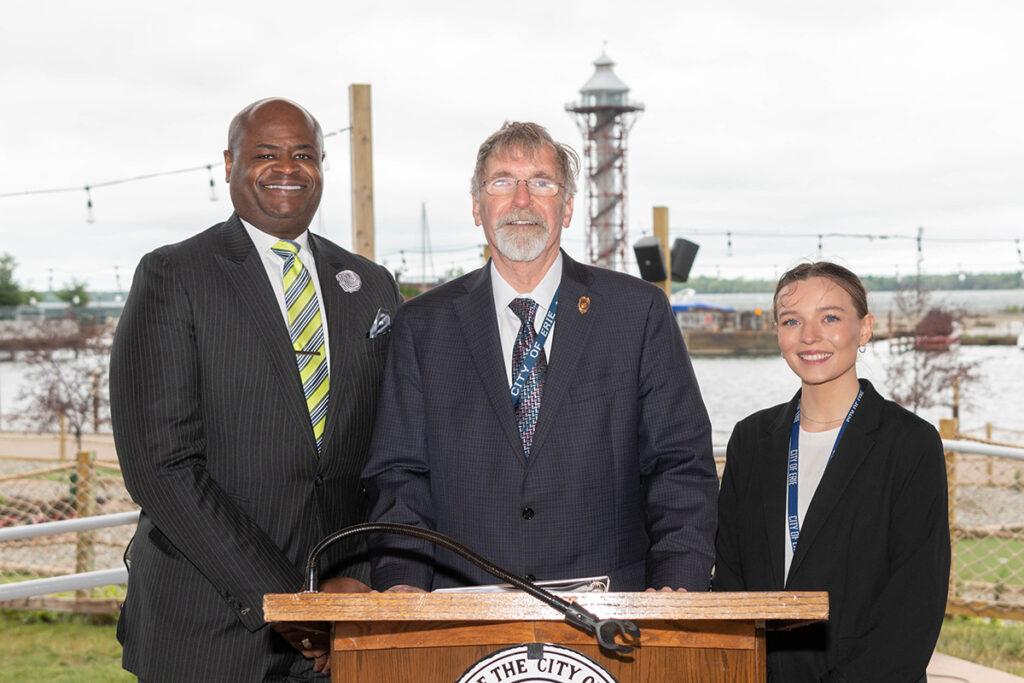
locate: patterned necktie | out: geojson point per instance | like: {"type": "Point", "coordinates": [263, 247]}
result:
{"type": "Point", "coordinates": [305, 325]}
{"type": "Point", "coordinates": [529, 406]}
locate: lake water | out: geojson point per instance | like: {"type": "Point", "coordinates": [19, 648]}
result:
{"type": "Point", "coordinates": [735, 387]}
{"type": "Point", "coordinates": [973, 301]}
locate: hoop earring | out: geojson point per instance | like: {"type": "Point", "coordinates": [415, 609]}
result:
{"type": "Point", "coordinates": [862, 348]}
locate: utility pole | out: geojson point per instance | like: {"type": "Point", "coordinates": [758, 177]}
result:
{"type": "Point", "coordinates": [427, 250]}
{"type": "Point", "coordinates": [361, 150]}
{"type": "Point", "coordinates": [661, 232]}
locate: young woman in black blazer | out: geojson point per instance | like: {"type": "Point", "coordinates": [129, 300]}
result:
{"type": "Point", "coordinates": [864, 514]}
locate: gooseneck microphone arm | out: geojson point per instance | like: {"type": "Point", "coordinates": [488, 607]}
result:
{"type": "Point", "coordinates": [604, 630]}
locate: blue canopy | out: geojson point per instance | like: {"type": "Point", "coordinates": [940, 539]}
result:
{"type": "Point", "coordinates": [701, 306]}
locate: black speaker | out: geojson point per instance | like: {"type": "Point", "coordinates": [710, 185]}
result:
{"type": "Point", "coordinates": [683, 254]}
{"type": "Point", "coordinates": [649, 259]}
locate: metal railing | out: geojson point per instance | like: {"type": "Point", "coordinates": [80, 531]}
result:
{"type": "Point", "coordinates": [986, 527]}
{"type": "Point", "coordinates": [986, 493]}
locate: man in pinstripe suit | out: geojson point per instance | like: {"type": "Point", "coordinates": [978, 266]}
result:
{"type": "Point", "coordinates": [541, 411]}
{"type": "Point", "coordinates": [243, 385]}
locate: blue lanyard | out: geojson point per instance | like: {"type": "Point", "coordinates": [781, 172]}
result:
{"type": "Point", "coordinates": [793, 469]}
{"type": "Point", "coordinates": [531, 357]}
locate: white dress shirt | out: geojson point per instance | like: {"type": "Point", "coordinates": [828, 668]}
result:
{"type": "Point", "coordinates": [274, 265]}
{"type": "Point", "coordinates": [815, 447]}
{"type": "Point", "coordinates": [509, 323]}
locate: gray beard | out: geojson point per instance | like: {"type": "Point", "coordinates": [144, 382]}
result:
{"type": "Point", "coordinates": [521, 242]}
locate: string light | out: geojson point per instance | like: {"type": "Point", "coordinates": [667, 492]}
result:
{"type": "Point", "coordinates": [920, 251]}
{"type": "Point", "coordinates": [213, 185]}
{"type": "Point", "coordinates": [728, 244]}
{"type": "Point", "coordinates": [1020, 258]}
{"type": "Point", "coordinates": [89, 218]}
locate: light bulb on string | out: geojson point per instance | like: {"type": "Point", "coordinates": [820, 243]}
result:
{"type": "Point", "coordinates": [213, 184]}
{"type": "Point", "coordinates": [89, 217]}
{"type": "Point", "coordinates": [1020, 257]}
{"type": "Point", "coordinates": [821, 248]}
{"type": "Point", "coordinates": [728, 244]}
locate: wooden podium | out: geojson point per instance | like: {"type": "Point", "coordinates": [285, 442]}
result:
{"type": "Point", "coordinates": [395, 637]}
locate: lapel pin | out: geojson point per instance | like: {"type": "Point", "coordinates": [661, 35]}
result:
{"type": "Point", "coordinates": [349, 281]}
{"type": "Point", "coordinates": [583, 304]}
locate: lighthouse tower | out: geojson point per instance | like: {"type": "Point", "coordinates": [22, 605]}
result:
{"type": "Point", "coordinates": [604, 115]}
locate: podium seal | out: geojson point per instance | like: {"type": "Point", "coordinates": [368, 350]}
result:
{"type": "Point", "coordinates": [536, 662]}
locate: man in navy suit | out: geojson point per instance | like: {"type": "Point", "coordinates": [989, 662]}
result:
{"type": "Point", "coordinates": [540, 411]}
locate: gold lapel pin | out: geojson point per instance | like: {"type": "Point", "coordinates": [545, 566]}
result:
{"type": "Point", "coordinates": [583, 305]}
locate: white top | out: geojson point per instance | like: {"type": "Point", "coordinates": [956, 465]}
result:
{"type": "Point", "coordinates": [274, 265]}
{"type": "Point", "coordinates": [509, 323]}
{"type": "Point", "coordinates": [815, 448]}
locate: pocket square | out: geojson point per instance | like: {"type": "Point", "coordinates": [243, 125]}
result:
{"type": "Point", "coordinates": [381, 324]}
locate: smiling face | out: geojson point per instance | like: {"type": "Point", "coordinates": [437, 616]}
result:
{"type": "Point", "coordinates": [819, 331]}
{"type": "Point", "coordinates": [522, 227]}
{"type": "Point", "coordinates": [274, 167]}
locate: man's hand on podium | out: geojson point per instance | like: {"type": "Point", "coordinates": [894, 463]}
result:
{"type": "Point", "coordinates": [666, 589]}
{"type": "Point", "coordinates": [313, 640]}
{"type": "Point", "coordinates": [403, 588]}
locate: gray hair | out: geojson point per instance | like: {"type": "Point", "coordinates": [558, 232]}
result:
{"type": "Point", "coordinates": [524, 136]}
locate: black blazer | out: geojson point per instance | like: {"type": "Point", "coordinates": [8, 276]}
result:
{"type": "Point", "coordinates": [620, 478]}
{"type": "Point", "coordinates": [215, 443]}
{"type": "Point", "coordinates": [876, 537]}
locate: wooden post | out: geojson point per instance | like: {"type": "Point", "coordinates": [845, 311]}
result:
{"type": "Point", "coordinates": [361, 150]}
{"type": "Point", "coordinates": [948, 430]}
{"type": "Point", "coordinates": [96, 402]}
{"type": "Point", "coordinates": [62, 427]}
{"type": "Point", "coordinates": [956, 398]}
{"type": "Point", "coordinates": [661, 232]}
{"type": "Point", "coordinates": [85, 499]}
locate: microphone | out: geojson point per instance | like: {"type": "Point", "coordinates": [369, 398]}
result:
{"type": "Point", "coordinates": [603, 630]}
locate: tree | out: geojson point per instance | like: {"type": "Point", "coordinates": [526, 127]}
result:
{"type": "Point", "coordinates": [60, 383]}
{"type": "Point", "coordinates": [920, 376]}
{"type": "Point", "coordinates": [11, 293]}
{"type": "Point", "coordinates": [75, 293]}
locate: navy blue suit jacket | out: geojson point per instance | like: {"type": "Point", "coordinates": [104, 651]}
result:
{"type": "Point", "coordinates": [620, 478]}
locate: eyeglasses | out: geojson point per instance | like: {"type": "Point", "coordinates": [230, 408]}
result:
{"type": "Point", "coordinates": [538, 187]}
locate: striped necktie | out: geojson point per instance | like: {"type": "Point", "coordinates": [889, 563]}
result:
{"type": "Point", "coordinates": [529, 406]}
{"type": "Point", "coordinates": [305, 324]}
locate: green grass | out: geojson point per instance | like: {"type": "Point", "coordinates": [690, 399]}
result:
{"type": "Point", "coordinates": [56, 648]}
{"type": "Point", "coordinates": [989, 642]}
{"type": "Point", "coordinates": [40, 646]}
{"type": "Point", "coordinates": [993, 560]}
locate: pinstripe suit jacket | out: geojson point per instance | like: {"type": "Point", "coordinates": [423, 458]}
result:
{"type": "Point", "coordinates": [620, 478]}
{"type": "Point", "coordinates": [215, 443]}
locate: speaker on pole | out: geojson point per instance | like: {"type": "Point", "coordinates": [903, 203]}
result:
{"type": "Point", "coordinates": [683, 254]}
{"type": "Point", "coordinates": [649, 259]}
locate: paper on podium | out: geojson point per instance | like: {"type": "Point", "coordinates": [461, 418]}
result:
{"type": "Point", "coordinates": [589, 584]}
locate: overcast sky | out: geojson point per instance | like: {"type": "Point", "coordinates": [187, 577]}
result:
{"type": "Point", "coordinates": [770, 118]}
